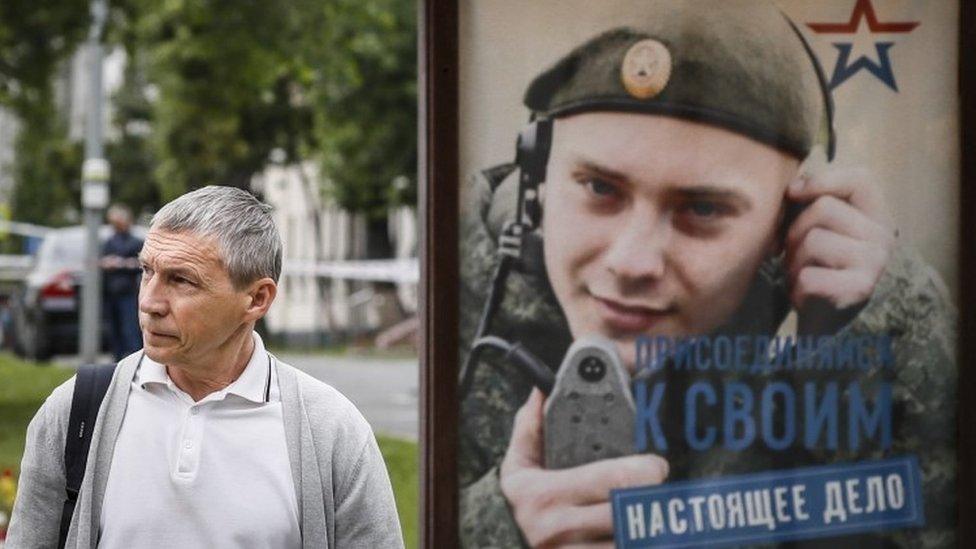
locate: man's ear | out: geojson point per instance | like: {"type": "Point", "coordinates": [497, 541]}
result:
{"type": "Point", "coordinates": [261, 295]}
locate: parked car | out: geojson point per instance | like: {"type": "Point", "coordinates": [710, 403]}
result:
{"type": "Point", "coordinates": [46, 311]}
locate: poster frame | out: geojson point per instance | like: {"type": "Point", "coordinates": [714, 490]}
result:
{"type": "Point", "coordinates": [438, 153]}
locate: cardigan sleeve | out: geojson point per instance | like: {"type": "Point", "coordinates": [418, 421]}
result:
{"type": "Point", "coordinates": [365, 511]}
{"type": "Point", "coordinates": [36, 517]}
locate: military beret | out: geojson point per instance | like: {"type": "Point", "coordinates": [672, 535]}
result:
{"type": "Point", "coordinates": [737, 64]}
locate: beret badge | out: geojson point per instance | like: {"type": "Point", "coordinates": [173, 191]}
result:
{"type": "Point", "coordinates": [646, 68]}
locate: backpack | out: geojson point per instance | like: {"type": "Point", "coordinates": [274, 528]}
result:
{"type": "Point", "coordinates": [91, 384]}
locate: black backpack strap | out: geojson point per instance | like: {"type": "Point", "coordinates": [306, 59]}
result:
{"type": "Point", "coordinates": [91, 384]}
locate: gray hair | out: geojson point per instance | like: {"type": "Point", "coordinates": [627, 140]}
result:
{"type": "Point", "coordinates": [246, 235]}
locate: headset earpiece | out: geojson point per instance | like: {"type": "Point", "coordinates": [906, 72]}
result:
{"type": "Point", "coordinates": [532, 156]}
{"type": "Point", "coordinates": [828, 98]}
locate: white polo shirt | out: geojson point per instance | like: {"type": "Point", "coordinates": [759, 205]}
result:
{"type": "Point", "coordinates": [207, 474]}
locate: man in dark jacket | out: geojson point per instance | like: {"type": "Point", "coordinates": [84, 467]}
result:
{"type": "Point", "coordinates": [120, 272]}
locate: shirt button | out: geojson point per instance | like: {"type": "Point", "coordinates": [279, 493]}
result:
{"type": "Point", "coordinates": [194, 411]}
{"type": "Point", "coordinates": [188, 444]}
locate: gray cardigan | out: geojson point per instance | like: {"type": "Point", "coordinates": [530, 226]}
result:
{"type": "Point", "coordinates": [343, 490]}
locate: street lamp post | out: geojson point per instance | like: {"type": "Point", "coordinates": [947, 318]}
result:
{"type": "Point", "coordinates": [94, 192]}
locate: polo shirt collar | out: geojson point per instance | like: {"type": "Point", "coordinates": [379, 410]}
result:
{"type": "Point", "coordinates": [252, 384]}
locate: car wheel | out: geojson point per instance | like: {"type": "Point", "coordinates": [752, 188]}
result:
{"type": "Point", "coordinates": [17, 310]}
{"type": "Point", "coordinates": [31, 339]}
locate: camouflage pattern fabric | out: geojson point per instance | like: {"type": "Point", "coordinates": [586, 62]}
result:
{"type": "Point", "coordinates": [909, 303]}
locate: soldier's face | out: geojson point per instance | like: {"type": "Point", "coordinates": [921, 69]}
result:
{"type": "Point", "coordinates": [654, 225]}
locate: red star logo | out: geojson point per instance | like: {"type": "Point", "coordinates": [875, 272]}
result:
{"type": "Point", "coordinates": [863, 10]}
{"type": "Point", "coordinates": [845, 67]}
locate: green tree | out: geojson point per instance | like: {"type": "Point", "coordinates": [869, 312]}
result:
{"type": "Point", "coordinates": [333, 80]}
{"type": "Point", "coordinates": [47, 170]}
{"type": "Point", "coordinates": [366, 97]}
{"type": "Point", "coordinates": [35, 38]}
{"type": "Point", "coordinates": [227, 89]}
{"type": "Point", "coordinates": [234, 81]}
{"type": "Point", "coordinates": [130, 155]}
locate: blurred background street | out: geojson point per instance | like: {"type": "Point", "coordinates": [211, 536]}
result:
{"type": "Point", "coordinates": [384, 389]}
{"type": "Point", "coordinates": [119, 106]}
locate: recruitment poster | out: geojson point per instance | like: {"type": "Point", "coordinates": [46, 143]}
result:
{"type": "Point", "coordinates": [708, 273]}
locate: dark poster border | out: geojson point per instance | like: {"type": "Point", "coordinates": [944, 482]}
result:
{"type": "Point", "coordinates": [966, 384]}
{"type": "Point", "coordinates": [438, 203]}
{"type": "Point", "coordinates": [439, 208]}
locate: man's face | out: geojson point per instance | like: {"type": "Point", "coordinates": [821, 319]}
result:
{"type": "Point", "coordinates": [188, 306]}
{"type": "Point", "coordinates": [654, 225]}
{"type": "Point", "coordinates": [119, 222]}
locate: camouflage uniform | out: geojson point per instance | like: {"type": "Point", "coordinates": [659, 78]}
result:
{"type": "Point", "coordinates": [909, 303]}
{"type": "Point", "coordinates": [740, 65]}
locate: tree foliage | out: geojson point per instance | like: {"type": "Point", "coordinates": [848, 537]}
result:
{"type": "Point", "coordinates": [35, 38]}
{"type": "Point", "coordinates": [130, 154]}
{"type": "Point", "coordinates": [328, 79]}
{"type": "Point", "coordinates": [47, 171]}
{"type": "Point", "coordinates": [225, 80]}
{"type": "Point", "coordinates": [214, 89]}
{"type": "Point", "coordinates": [366, 98]}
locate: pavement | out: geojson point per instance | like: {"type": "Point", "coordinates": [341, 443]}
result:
{"type": "Point", "coordinates": [384, 389]}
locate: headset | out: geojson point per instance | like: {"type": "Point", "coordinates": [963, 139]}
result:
{"type": "Point", "coordinates": [532, 150]}
{"type": "Point", "coordinates": [531, 158]}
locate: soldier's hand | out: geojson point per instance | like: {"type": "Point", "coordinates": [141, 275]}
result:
{"type": "Point", "coordinates": [837, 248]}
{"type": "Point", "coordinates": [566, 506]}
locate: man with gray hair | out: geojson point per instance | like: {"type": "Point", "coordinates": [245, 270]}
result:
{"type": "Point", "coordinates": [204, 439]}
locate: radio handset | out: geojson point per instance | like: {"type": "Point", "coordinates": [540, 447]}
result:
{"type": "Point", "coordinates": [590, 413]}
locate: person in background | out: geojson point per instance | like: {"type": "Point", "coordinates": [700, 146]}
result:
{"type": "Point", "coordinates": [120, 272]}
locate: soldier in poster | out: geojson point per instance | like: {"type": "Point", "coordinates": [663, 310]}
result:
{"type": "Point", "coordinates": [672, 201]}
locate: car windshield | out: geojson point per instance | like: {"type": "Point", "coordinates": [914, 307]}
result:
{"type": "Point", "coordinates": [63, 249]}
